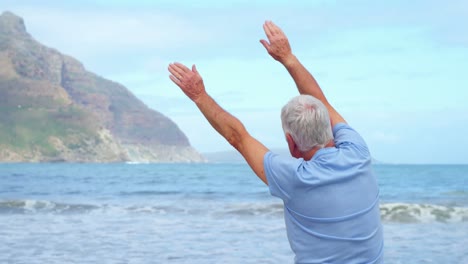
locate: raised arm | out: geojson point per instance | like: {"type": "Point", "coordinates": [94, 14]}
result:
{"type": "Point", "coordinates": [226, 124]}
{"type": "Point", "coordinates": [279, 48]}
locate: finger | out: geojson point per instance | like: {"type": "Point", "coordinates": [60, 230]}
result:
{"type": "Point", "coordinates": [274, 28]}
{"type": "Point", "coordinates": [267, 30]}
{"type": "Point", "coordinates": [274, 25]}
{"type": "Point", "coordinates": [194, 69]}
{"type": "Point", "coordinates": [182, 67]}
{"type": "Point", "coordinates": [265, 44]}
{"type": "Point", "coordinates": [179, 70]}
{"type": "Point", "coordinates": [175, 71]}
{"type": "Point", "coordinates": [175, 80]}
{"type": "Point", "coordinates": [277, 28]}
{"type": "Point", "coordinates": [271, 28]}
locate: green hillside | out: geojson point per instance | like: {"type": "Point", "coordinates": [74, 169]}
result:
{"type": "Point", "coordinates": [53, 109]}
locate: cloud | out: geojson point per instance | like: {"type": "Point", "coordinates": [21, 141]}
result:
{"type": "Point", "coordinates": [113, 31]}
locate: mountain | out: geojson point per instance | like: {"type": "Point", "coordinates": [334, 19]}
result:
{"type": "Point", "coordinates": [53, 109]}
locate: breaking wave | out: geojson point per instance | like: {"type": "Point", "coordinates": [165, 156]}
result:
{"type": "Point", "coordinates": [390, 212]}
{"type": "Point", "coordinates": [32, 206]}
{"type": "Point", "coordinates": [422, 213]}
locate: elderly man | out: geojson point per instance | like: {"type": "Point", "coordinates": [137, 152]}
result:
{"type": "Point", "coordinates": [329, 191]}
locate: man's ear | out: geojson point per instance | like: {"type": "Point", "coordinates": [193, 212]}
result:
{"type": "Point", "coordinates": [293, 149]}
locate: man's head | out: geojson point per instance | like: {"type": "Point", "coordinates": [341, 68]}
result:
{"type": "Point", "coordinates": [305, 119]}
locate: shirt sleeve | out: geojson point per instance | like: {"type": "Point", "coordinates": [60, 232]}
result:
{"type": "Point", "coordinates": [346, 136]}
{"type": "Point", "coordinates": [281, 174]}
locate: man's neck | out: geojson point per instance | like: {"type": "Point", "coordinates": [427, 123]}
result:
{"type": "Point", "coordinates": [309, 154]}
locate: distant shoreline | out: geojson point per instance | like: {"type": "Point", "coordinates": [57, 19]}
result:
{"type": "Point", "coordinates": [229, 156]}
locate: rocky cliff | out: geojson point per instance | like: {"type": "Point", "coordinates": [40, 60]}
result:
{"type": "Point", "coordinates": [53, 109]}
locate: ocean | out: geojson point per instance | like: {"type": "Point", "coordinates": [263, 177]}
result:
{"type": "Point", "coordinates": [206, 213]}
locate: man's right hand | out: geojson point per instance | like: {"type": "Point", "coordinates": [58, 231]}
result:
{"type": "Point", "coordinates": [188, 80]}
{"type": "Point", "coordinates": [278, 44]}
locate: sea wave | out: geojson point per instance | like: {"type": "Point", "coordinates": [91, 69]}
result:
{"type": "Point", "coordinates": [51, 207]}
{"type": "Point", "coordinates": [390, 212]}
{"type": "Point", "coordinates": [149, 193]}
{"type": "Point", "coordinates": [422, 213]}
{"type": "Point", "coordinates": [32, 206]}
{"type": "Point", "coordinates": [253, 209]}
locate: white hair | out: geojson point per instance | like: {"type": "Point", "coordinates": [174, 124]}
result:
{"type": "Point", "coordinates": [307, 120]}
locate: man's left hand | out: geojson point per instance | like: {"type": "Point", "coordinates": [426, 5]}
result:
{"type": "Point", "coordinates": [278, 44]}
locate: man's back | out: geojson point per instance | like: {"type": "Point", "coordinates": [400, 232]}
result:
{"type": "Point", "coordinates": [331, 201]}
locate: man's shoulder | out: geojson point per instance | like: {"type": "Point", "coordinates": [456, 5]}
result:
{"type": "Point", "coordinates": [346, 137]}
{"type": "Point", "coordinates": [343, 128]}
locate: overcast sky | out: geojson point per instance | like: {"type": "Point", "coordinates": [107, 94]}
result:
{"type": "Point", "coordinates": [396, 70]}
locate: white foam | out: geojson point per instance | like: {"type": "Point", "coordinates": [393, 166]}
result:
{"type": "Point", "coordinates": [422, 213]}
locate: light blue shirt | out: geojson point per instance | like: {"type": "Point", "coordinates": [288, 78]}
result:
{"type": "Point", "coordinates": [331, 202]}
